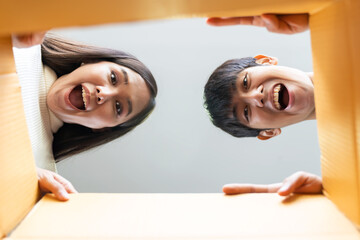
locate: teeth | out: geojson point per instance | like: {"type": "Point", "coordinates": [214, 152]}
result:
{"type": "Point", "coordinates": [83, 96]}
{"type": "Point", "coordinates": [276, 96]}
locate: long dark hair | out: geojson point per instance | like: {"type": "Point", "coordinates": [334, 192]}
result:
{"type": "Point", "coordinates": [65, 56]}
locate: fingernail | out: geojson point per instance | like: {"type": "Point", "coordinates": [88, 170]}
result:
{"type": "Point", "coordinates": [64, 194]}
{"type": "Point", "coordinates": [284, 187]}
{"type": "Point", "coordinates": [267, 21]}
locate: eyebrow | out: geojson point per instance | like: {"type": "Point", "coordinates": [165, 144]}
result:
{"type": "Point", "coordinates": [129, 107]}
{"type": "Point", "coordinates": [233, 85]}
{"type": "Point", "coordinates": [234, 112]}
{"type": "Point", "coordinates": [126, 78]}
{"type": "Point", "coordinates": [242, 118]}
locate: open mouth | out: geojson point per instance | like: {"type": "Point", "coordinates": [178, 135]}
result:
{"type": "Point", "coordinates": [281, 97]}
{"type": "Point", "coordinates": [77, 97]}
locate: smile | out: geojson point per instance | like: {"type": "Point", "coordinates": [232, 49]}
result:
{"type": "Point", "coordinates": [281, 97]}
{"type": "Point", "coordinates": [77, 97]}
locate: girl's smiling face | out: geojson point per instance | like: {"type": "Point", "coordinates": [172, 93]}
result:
{"type": "Point", "coordinates": [98, 95]}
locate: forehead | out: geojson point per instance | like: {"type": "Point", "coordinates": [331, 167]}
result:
{"type": "Point", "coordinates": [138, 91]}
{"type": "Point", "coordinates": [234, 96]}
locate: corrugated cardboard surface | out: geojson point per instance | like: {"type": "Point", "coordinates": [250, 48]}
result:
{"type": "Point", "coordinates": [19, 16]}
{"type": "Point", "coordinates": [18, 181]}
{"type": "Point", "coordinates": [186, 216]}
{"type": "Point", "coordinates": [335, 38]}
{"type": "Point", "coordinates": [335, 34]}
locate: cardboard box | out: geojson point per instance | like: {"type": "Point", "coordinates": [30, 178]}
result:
{"type": "Point", "coordinates": [335, 37]}
{"type": "Point", "coordinates": [335, 26]}
{"type": "Point", "coordinates": [186, 216]}
{"type": "Point", "coordinates": [18, 180]}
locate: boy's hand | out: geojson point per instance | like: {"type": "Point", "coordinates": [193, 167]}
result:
{"type": "Point", "coordinates": [50, 182]}
{"type": "Point", "coordinates": [28, 39]}
{"type": "Point", "coordinates": [299, 182]}
{"type": "Point", "coordinates": [277, 23]}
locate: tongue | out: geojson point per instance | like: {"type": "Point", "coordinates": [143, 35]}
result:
{"type": "Point", "coordinates": [75, 97]}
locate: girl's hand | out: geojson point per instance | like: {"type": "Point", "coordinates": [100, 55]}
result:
{"type": "Point", "coordinates": [50, 182]}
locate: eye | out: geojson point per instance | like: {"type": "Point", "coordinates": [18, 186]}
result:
{"type": "Point", "coordinates": [118, 108]}
{"type": "Point", "coordinates": [113, 78]}
{"type": "Point", "coordinates": [245, 82]}
{"type": "Point", "coordinates": [246, 113]}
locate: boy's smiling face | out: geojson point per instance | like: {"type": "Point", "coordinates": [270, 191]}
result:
{"type": "Point", "coordinates": [272, 96]}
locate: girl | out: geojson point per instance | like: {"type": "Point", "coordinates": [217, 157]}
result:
{"type": "Point", "coordinates": [87, 96]}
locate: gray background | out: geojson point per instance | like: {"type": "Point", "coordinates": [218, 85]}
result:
{"type": "Point", "coordinates": [177, 149]}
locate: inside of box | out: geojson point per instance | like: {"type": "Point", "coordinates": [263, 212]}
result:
{"type": "Point", "coordinates": [335, 37]}
{"type": "Point", "coordinates": [186, 216]}
{"type": "Point", "coordinates": [18, 188]}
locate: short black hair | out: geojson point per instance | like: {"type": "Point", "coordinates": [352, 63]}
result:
{"type": "Point", "coordinates": [218, 97]}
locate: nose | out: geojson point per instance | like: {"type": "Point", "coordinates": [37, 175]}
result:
{"type": "Point", "coordinates": [256, 96]}
{"type": "Point", "coordinates": [104, 94]}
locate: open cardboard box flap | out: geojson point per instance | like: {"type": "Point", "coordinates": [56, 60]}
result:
{"type": "Point", "coordinates": [335, 37]}
{"type": "Point", "coordinates": [186, 216]}
{"type": "Point", "coordinates": [18, 181]}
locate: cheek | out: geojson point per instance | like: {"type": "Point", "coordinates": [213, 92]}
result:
{"type": "Point", "coordinates": [261, 117]}
{"type": "Point", "coordinates": [283, 120]}
{"type": "Point", "coordinates": [96, 121]}
{"type": "Point", "coordinates": [104, 116]}
{"type": "Point", "coordinates": [83, 76]}
{"type": "Point", "coordinates": [261, 76]}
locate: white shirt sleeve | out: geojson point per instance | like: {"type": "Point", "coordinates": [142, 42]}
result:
{"type": "Point", "coordinates": [30, 72]}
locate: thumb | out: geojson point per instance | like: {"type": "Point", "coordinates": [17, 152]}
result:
{"type": "Point", "coordinates": [293, 183]}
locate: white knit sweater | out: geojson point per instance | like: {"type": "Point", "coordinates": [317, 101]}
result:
{"type": "Point", "coordinates": [35, 81]}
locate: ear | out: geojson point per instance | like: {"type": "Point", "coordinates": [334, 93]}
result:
{"type": "Point", "coordinates": [263, 59]}
{"type": "Point", "coordinates": [267, 134]}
